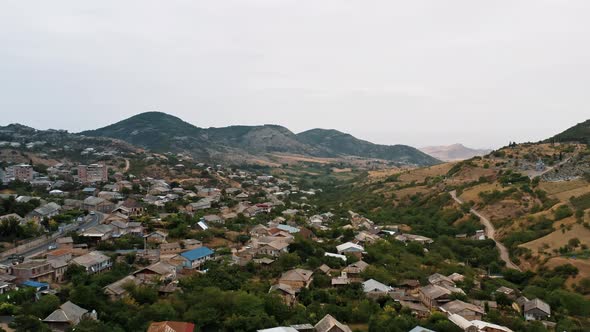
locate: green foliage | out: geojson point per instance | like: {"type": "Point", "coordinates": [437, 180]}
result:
{"type": "Point", "coordinates": [581, 202]}
{"type": "Point", "coordinates": [562, 212]}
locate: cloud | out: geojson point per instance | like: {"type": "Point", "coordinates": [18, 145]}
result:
{"type": "Point", "coordinates": [417, 72]}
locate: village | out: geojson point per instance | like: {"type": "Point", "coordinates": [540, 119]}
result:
{"type": "Point", "coordinates": [93, 216]}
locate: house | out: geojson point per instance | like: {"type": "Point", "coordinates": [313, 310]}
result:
{"type": "Point", "coordinates": [509, 292]}
{"type": "Point", "coordinates": [297, 278]}
{"type": "Point", "coordinates": [536, 310]}
{"type": "Point", "coordinates": [92, 203]}
{"type": "Point", "coordinates": [409, 284]}
{"type": "Point", "coordinates": [62, 254]}
{"type": "Point", "coordinates": [196, 257]}
{"type": "Point", "coordinates": [434, 295]}
{"type": "Point", "coordinates": [350, 248]}
{"type": "Point", "coordinates": [213, 218]}
{"type": "Point", "coordinates": [131, 207]}
{"type": "Point", "coordinates": [259, 230]}
{"type": "Point", "coordinates": [279, 329]}
{"type": "Point", "coordinates": [466, 310]}
{"type": "Point", "coordinates": [355, 269]}
{"type": "Point", "coordinates": [287, 293]}
{"type": "Point", "coordinates": [489, 327]}
{"type": "Point", "coordinates": [46, 211]}
{"type": "Point", "coordinates": [441, 280]}
{"type": "Point", "coordinates": [59, 266]}
{"type": "Point", "coordinates": [93, 262]}
{"type": "Point", "coordinates": [99, 232]}
{"type": "Point", "coordinates": [341, 280]}
{"type": "Point", "coordinates": [202, 204]}
{"type": "Point", "coordinates": [274, 249]}
{"type": "Point", "coordinates": [374, 286]}
{"type": "Point", "coordinates": [157, 237]}
{"type": "Point", "coordinates": [170, 248]}
{"type": "Point", "coordinates": [35, 270]}
{"type": "Point", "coordinates": [169, 326]}
{"type": "Point", "coordinates": [67, 316]}
{"type": "Point", "coordinates": [420, 329]}
{"type": "Point", "coordinates": [65, 243]}
{"type": "Point", "coordinates": [117, 290]}
{"type": "Point", "coordinates": [417, 309]}
{"type": "Point", "coordinates": [160, 271]}
{"type": "Point", "coordinates": [330, 324]}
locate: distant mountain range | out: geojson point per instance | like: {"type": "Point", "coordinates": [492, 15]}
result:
{"type": "Point", "coordinates": [453, 152]}
{"type": "Point", "coordinates": [579, 133]}
{"type": "Point", "coordinates": [161, 132]}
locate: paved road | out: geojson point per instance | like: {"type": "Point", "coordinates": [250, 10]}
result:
{"type": "Point", "coordinates": [90, 220]}
{"type": "Point", "coordinates": [490, 233]}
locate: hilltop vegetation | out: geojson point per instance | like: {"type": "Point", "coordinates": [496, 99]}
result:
{"type": "Point", "coordinates": [579, 133]}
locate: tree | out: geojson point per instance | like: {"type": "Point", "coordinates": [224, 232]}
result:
{"type": "Point", "coordinates": [28, 323]}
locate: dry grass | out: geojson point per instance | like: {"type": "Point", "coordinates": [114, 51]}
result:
{"type": "Point", "coordinates": [564, 190]}
{"type": "Point", "coordinates": [583, 266]}
{"type": "Point", "coordinates": [559, 238]}
{"type": "Point", "coordinates": [472, 194]}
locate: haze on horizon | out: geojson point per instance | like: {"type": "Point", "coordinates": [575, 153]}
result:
{"type": "Point", "coordinates": [408, 72]}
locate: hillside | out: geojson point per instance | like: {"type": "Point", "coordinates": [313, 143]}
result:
{"type": "Point", "coordinates": [161, 132]}
{"type": "Point", "coordinates": [338, 143]}
{"type": "Point", "coordinates": [579, 133]}
{"type": "Point", "coordinates": [541, 213]}
{"type": "Point", "coordinates": [453, 152]}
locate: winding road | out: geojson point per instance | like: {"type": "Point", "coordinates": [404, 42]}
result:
{"type": "Point", "coordinates": [490, 233]}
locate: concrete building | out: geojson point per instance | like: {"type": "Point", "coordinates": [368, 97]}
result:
{"type": "Point", "coordinates": [93, 173]}
{"type": "Point", "coordinates": [23, 172]}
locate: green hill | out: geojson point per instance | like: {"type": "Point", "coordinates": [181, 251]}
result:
{"type": "Point", "coordinates": [339, 143]}
{"type": "Point", "coordinates": [579, 133]}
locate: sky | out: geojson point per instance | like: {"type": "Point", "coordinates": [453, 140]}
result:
{"type": "Point", "coordinates": [418, 72]}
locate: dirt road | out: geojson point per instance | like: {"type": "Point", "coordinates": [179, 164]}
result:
{"type": "Point", "coordinates": [490, 233]}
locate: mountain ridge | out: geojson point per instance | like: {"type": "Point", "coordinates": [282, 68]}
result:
{"type": "Point", "coordinates": [453, 152]}
{"type": "Point", "coordinates": [160, 132]}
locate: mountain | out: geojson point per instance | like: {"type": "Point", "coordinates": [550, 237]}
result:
{"type": "Point", "coordinates": [336, 143]}
{"type": "Point", "coordinates": [579, 133]}
{"type": "Point", "coordinates": [453, 152]}
{"type": "Point", "coordinates": [161, 132]}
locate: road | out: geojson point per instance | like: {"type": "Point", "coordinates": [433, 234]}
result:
{"type": "Point", "coordinates": [90, 220]}
{"type": "Point", "coordinates": [127, 165]}
{"type": "Point", "coordinates": [490, 233]}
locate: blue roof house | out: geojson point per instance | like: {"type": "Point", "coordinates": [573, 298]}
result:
{"type": "Point", "coordinates": [195, 258]}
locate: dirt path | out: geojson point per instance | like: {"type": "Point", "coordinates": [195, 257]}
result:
{"type": "Point", "coordinates": [127, 166]}
{"type": "Point", "coordinates": [490, 233]}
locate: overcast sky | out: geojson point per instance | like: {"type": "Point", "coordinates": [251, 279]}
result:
{"type": "Point", "coordinates": [413, 72]}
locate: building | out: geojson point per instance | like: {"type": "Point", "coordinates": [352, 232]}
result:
{"type": "Point", "coordinates": [195, 258]}
{"type": "Point", "coordinates": [330, 324]}
{"type": "Point", "coordinates": [466, 310]}
{"type": "Point", "coordinates": [68, 315]}
{"type": "Point", "coordinates": [350, 248]}
{"type": "Point", "coordinates": [169, 326]}
{"type": "Point", "coordinates": [23, 172]}
{"type": "Point", "coordinates": [38, 270]}
{"type": "Point", "coordinates": [93, 173]}
{"type": "Point", "coordinates": [374, 286]}
{"type": "Point", "coordinates": [93, 262]}
{"type": "Point", "coordinates": [92, 203]}
{"type": "Point", "coordinates": [44, 212]}
{"type": "Point", "coordinates": [536, 310]}
{"type": "Point", "coordinates": [297, 278]}
{"type": "Point", "coordinates": [117, 290]}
